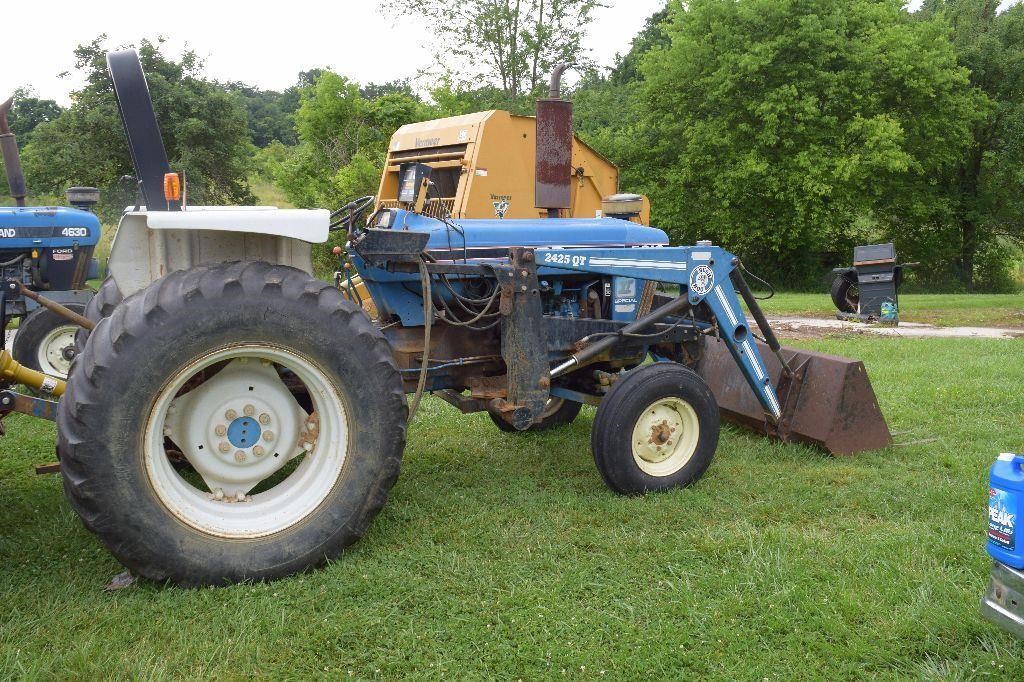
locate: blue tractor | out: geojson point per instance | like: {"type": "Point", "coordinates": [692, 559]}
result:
{"type": "Point", "coordinates": [232, 417]}
{"type": "Point", "coordinates": [49, 249]}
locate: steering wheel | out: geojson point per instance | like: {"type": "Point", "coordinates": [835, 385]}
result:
{"type": "Point", "coordinates": [346, 216]}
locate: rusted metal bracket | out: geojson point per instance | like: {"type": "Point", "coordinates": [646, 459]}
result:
{"type": "Point", "coordinates": [464, 404]}
{"type": "Point", "coordinates": [788, 389]}
{"type": "Point", "coordinates": [11, 401]}
{"type": "Point", "coordinates": [523, 339]}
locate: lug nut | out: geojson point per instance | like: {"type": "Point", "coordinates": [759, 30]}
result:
{"type": "Point", "coordinates": [268, 436]}
{"type": "Point", "coordinates": [225, 447]}
{"type": "Point", "coordinates": [258, 451]}
{"type": "Point", "coordinates": [231, 415]}
{"type": "Point", "coordinates": [249, 410]}
{"type": "Point", "coordinates": [264, 418]}
{"type": "Point", "coordinates": [220, 430]}
{"type": "Point", "coordinates": [239, 456]}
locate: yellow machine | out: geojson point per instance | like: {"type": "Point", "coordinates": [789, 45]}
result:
{"type": "Point", "coordinates": [483, 166]}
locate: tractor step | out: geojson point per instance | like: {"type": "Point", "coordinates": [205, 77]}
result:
{"type": "Point", "coordinates": [828, 403]}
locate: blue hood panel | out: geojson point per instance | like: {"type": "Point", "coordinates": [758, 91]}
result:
{"type": "Point", "coordinates": [541, 232]}
{"type": "Point", "coordinates": [47, 226]}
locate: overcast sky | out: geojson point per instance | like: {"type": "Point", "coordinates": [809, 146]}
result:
{"type": "Point", "coordinates": [264, 44]}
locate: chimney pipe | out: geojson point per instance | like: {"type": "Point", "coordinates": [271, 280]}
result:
{"type": "Point", "coordinates": [555, 89]}
{"type": "Point", "coordinates": [552, 189]}
{"type": "Point", "coordinates": [12, 159]}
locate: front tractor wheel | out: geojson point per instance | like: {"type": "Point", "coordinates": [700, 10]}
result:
{"type": "Point", "coordinates": [231, 422]}
{"type": "Point", "coordinates": [656, 429]}
{"type": "Point", "coordinates": [45, 341]}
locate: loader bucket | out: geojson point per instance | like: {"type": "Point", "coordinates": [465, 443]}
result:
{"type": "Point", "coordinates": [829, 403]}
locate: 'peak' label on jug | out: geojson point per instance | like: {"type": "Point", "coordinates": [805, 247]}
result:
{"type": "Point", "coordinates": [1002, 517]}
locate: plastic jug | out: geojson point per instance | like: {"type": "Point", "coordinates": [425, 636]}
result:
{"type": "Point", "coordinates": [1005, 505]}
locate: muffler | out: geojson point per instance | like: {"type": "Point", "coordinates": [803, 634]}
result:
{"type": "Point", "coordinates": [826, 400]}
{"type": "Point", "coordinates": [12, 160]}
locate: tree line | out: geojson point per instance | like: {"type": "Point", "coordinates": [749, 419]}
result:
{"type": "Point", "coordinates": [786, 130]}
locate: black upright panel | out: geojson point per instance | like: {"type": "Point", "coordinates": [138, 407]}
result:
{"type": "Point", "coordinates": [144, 141]}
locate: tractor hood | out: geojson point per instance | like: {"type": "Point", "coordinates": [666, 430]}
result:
{"type": "Point", "coordinates": [491, 238]}
{"type": "Point", "coordinates": [57, 226]}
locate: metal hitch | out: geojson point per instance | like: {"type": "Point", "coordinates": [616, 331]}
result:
{"type": "Point", "coordinates": [828, 402]}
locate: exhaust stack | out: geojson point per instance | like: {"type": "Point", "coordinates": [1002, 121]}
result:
{"type": "Point", "coordinates": [552, 190]}
{"type": "Point", "coordinates": [12, 159]}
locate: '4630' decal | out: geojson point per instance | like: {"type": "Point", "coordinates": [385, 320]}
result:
{"type": "Point", "coordinates": [42, 232]}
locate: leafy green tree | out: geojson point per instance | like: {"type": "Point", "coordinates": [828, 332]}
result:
{"type": "Point", "coordinates": [508, 44]}
{"type": "Point", "coordinates": [652, 35]}
{"type": "Point", "coordinates": [270, 114]}
{"type": "Point", "coordinates": [609, 113]}
{"type": "Point", "coordinates": [788, 129]}
{"type": "Point", "coordinates": [342, 140]}
{"type": "Point", "coordinates": [28, 111]}
{"type": "Point", "coordinates": [986, 188]}
{"type": "Point", "coordinates": [204, 131]}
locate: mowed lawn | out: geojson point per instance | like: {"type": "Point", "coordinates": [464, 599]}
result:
{"type": "Point", "coordinates": [969, 310]}
{"type": "Point", "coordinates": [504, 556]}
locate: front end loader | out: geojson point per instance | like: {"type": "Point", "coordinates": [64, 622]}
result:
{"type": "Point", "coordinates": [231, 417]}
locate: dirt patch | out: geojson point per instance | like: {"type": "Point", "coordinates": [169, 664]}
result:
{"type": "Point", "coordinates": [816, 328]}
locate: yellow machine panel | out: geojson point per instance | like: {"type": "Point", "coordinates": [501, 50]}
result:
{"type": "Point", "coordinates": [483, 166]}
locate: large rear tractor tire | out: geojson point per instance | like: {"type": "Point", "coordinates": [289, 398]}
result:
{"type": "Point", "coordinates": [557, 412]}
{"type": "Point", "coordinates": [107, 297]}
{"type": "Point", "coordinates": [46, 341]}
{"type": "Point", "coordinates": [214, 365]}
{"type": "Point", "coordinates": [657, 429]}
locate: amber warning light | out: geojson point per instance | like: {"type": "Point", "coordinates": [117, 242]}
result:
{"type": "Point", "coordinates": [172, 187]}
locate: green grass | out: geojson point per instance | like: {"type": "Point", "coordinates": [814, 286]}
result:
{"type": "Point", "coordinates": [504, 556]}
{"type": "Point", "coordinates": [987, 310]}
{"type": "Point", "coordinates": [268, 194]}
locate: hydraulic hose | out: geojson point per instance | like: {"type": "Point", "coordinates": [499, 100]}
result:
{"type": "Point", "coordinates": [762, 322]}
{"type": "Point", "coordinates": [428, 315]}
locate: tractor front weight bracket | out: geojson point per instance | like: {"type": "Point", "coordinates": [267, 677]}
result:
{"type": "Point", "coordinates": [523, 339]}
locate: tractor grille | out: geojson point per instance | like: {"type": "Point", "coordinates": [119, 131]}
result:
{"type": "Point", "coordinates": [435, 208]}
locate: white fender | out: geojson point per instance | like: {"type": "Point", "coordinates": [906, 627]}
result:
{"type": "Point", "coordinates": [309, 225]}
{"type": "Point", "coordinates": [151, 244]}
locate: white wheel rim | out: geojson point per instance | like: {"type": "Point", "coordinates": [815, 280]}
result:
{"type": "Point", "coordinates": [50, 353]}
{"type": "Point", "coordinates": [267, 430]}
{"type": "Point", "coordinates": [665, 436]}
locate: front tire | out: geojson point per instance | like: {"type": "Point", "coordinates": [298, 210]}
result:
{"type": "Point", "coordinates": [657, 429]}
{"type": "Point", "coordinates": [46, 341]}
{"type": "Point", "coordinates": [214, 365]}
